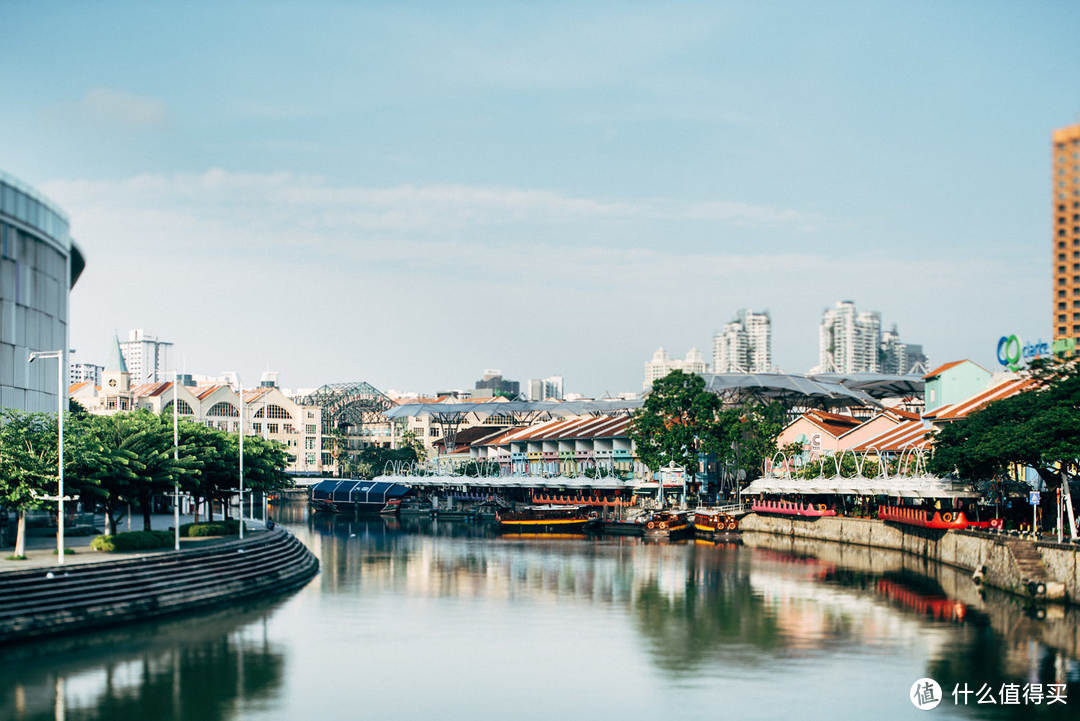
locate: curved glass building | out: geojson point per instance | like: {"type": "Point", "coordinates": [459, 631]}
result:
{"type": "Point", "coordinates": [38, 265]}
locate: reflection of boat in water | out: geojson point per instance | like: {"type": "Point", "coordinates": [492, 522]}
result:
{"type": "Point", "coordinates": [455, 514]}
{"type": "Point", "coordinates": [934, 604]}
{"type": "Point", "coordinates": [713, 524]}
{"type": "Point", "coordinates": [667, 524]}
{"type": "Point", "coordinates": [415, 507]}
{"type": "Point", "coordinates": [547, 519]}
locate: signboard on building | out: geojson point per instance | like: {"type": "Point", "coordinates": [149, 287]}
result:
{"type": "Point", "coordinates": [1013, 353]}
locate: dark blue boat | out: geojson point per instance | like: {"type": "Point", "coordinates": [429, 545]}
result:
{"type": "Point", "coordinates": [353, 496]}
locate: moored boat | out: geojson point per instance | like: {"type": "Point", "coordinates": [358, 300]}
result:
{"type": "Point", "coordinates": [667, 524]}
{"type": "Point", "coordinates": [547, 519]}
{"type": "Point", "coordinates": [711, 524]}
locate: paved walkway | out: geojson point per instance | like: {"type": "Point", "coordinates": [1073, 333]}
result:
{"type": "Point", "coordinates": [41, 550]}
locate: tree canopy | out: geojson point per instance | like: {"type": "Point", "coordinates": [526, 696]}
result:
{"type": "Point", "coordinates": [1039, 428]}
{"type": "Point", "coordinates": [680, 420]}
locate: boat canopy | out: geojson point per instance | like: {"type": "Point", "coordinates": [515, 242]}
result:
{"type": "Point", "coordinates": [354, 491]}
{"type": "Point", "coordinates": [911, 487]}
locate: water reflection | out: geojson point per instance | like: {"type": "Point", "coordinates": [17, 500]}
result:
{"type": "Point", "coordinates": [203, 668]}
{"type": "Point", "coordinates": [449, 620]}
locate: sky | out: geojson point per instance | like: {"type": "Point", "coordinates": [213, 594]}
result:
{"type": "Point", "coordinates": [410, 193]}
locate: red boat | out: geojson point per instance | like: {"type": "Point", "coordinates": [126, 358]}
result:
{"type": "Point", "coordinates": [787, 508]}
{"type": "Point", "coordinates": [924, 518]}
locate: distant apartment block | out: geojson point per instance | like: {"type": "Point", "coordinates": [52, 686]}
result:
{"type": "Point", "coordinates": [85, 373]}
{"type": "Point", "coordinates": [550, 388]}
{"type": "Point", "coordinates": [147, 357]}
{"type": "Point", "coordinates": [851, 341]}
{"type": "Point", "coordinates": [744, 345]}
{"type": "Point", "coordinates": [662, 364]}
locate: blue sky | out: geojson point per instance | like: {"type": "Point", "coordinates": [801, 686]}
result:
{"type": "Point", "coordinates": [409, 194]}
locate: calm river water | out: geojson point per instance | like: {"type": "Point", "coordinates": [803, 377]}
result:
{"type": "Point", "coordinates": [424, 621]}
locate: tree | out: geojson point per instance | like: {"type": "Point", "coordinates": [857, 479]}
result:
{"type": "Point", "coordinates": [677, 422]}
{"type": "Point", "coordinates": [1039, 428]}
{"type": "Point", "coordinates": [28, 464]}
{"type": "Point", "coordinates": [99, 457]}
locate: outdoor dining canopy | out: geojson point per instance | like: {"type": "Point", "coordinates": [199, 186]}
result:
{"type": "Point", "coordinates": [910, 487]}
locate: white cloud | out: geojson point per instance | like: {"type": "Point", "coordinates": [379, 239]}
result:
{"type": "Point", "coordinates": [118, 107]}
{"type": "Point", "coordinates": [534, 280]}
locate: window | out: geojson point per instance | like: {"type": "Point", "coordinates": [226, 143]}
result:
{"type": "Point", "coordinates": [271, 427]}
{"type": "Point", "coordinates": [309, 444]}
{"type": "Point", "coordinates": [288, 428]}
{"type": "Point", "coordinates": [309, 428]}
{"type": "Point", "coordinates": [309, 458]}
{"type": "Point", "coordinates": [278, 412]}
{"type": "Point", "coordinates": [222, 410]}
{"type": "Point", "coordinates": [1061, 317]}
{"type": "Point", "coordinates": [183, 408]}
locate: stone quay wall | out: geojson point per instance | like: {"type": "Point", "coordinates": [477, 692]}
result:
{"type": "Point", "coordinates": [967, 550]}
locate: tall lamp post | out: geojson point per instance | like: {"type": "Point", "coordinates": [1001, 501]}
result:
{"type": "Point", "coordinates": [61, 397]}
{"type": "Point", "coordinates": [240, 512]}
{"type": "Point", "coordinates": [176, 455]}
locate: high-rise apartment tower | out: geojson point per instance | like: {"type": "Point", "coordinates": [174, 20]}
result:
{"type": "Point", "coordinates": [1066, 184]}
{"type": "Point", "coordinates": [744, 345]}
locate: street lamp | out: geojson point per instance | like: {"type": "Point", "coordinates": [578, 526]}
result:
{"type": "Point", "coordinates": [176, 456]}
{"type": "Point", "coordinates": [240, 511]}
{"type": "Point", "coordinates": [61, 397]}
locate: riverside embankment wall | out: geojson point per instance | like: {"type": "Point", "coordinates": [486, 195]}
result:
{"type": "Point", "coordinates": [62, 599]}
{"type": "Point", "coordinates": [961, 549]}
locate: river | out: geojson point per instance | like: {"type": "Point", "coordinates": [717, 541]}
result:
{"type": "Point", "coordinates": [447, 621]}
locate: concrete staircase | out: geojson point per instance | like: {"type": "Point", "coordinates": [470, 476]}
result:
{"type": "Point", "coordinates": [61, 599]}
{"type": "Point", "coordinates": [1033, 572]}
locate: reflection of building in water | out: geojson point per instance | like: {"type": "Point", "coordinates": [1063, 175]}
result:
{"type": "Point", "coordinates": [194, 668]}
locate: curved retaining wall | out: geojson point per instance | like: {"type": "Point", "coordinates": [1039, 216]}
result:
{"type": "Point", "coordinates": [968, 550]}
{"type": "Point", "coordinates": [91, 595]}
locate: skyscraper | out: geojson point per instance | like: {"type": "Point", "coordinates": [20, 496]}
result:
{"type": "Point", "coordinates": [744, 345]}
{"type": "Point", "coordinates": [849, 340]}
{"type": "Point", "coordinates": [147, 357]}
{"type": "Point", "coordinates": [1066, 247]}
{"type": "Point", "coordinates": [550, 388]}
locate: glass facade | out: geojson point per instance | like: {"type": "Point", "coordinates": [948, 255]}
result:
{"type": "Point", "coordinates": [38, 265]}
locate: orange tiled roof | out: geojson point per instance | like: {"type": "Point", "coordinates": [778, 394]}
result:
{"type": "Point", "coordinates": [834, 424]}
{"type": "Point", "coordinates": [149, 390]}
{"type": "Point", "coordinates": [952, 364]}
{"type": "Point", "coordinates": [75, 387]}
{"type": "Point", "coordinates": [999, 392]}
{"type": "Point", "coordinates": [909, 434]}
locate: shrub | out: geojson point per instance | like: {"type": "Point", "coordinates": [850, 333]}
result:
{"type": "Point", "coordinates": [133, 541]}
{"type": "Point", "coordinates": [217, 528]}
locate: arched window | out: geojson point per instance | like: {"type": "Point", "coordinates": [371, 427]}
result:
{"type": "Point", "coordinates": [183, 409]}
{"type": "Point", "coordinates": [273, 412]}
{"type": "Point", "coordinates": [223, 410]}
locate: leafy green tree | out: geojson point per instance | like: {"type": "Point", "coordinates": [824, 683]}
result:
{"type": "Point", "coordinates": [28, 464]}
{"type": "Point", "coordinates": [679, 420]}
{"type": "Point", "coordinates": [1039, 428]}
{"type": "Point", "coordinates": [98, 452]}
